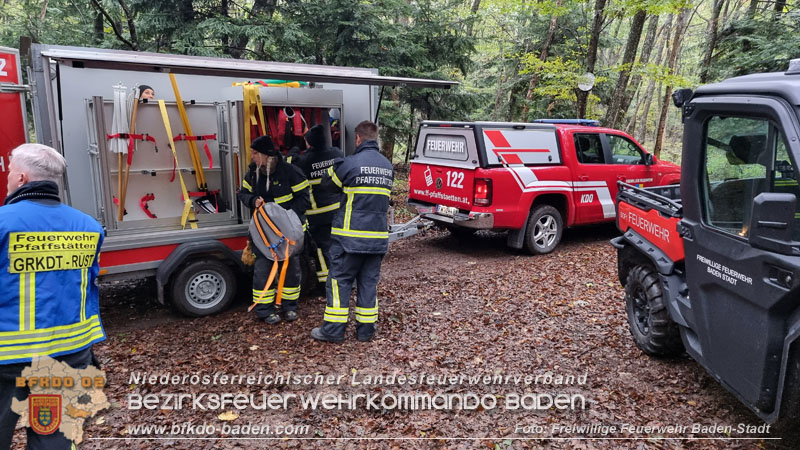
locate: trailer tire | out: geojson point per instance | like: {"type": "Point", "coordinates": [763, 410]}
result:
{"type": "Point", "coordinates": [203, 287]}
{"type": "Point", "coordinates": [544, 230]}
{"type": "Point", "coordinates": [651, 327]}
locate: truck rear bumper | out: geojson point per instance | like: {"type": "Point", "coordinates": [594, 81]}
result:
{"type": "Point", "coordinates": [475, 220]}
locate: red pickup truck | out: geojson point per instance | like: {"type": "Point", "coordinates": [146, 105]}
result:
{"type": "Point", "coordinates": [532, 179]}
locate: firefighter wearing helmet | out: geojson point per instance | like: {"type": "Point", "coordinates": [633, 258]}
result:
{"type": "Point", "coordinates": [359, 236]}
{"type": "Point", "coordinates": [270, 179]}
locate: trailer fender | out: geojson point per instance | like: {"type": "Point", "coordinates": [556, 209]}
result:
{"type": "Point", "coordinates": [634, 250]}
{"type": "Point", "coordinates": [192, 250]}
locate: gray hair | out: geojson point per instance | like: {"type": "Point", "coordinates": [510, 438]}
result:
{"type": "Point", "coordinates": [39, 162]}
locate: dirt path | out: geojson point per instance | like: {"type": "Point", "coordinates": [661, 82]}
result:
{"type": "Point", "coordinates": [448, 308]}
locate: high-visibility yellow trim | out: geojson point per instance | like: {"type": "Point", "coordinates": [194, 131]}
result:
{"type": "Point", "coordinates": [84, 285]}
{"type": "Point", "coordinates": [305, 225]}
{"type": "Point", "coordinates": [335, 289]}
{"type": "Point", "coordinates": [360, 234]}
{"type": "Point", "coordinates": [335, 178]}
{"type": "Point", "coordinates": [23, 307]}
{"type": "Point", "coordinates": [27, 301]}
{"type": "Point", "coordinates": [46, 334]}
{"type": "Point", "coordinates": [32, 301]}
{"type": "Point", "coordinates": [312, 199]}
{"type": "Point", "coordinates": [368, 190]}
{"type": "Point", "coordinates": [284, 198]}
{"type": "Point", "coordinates": [335, 314]}
{"type": "Point", "coordinates": [366, 319]}
{"type": "Point", "coordinates": [300, 186]}
{"type": "Point", "coordinates": [367, 311]}
{"type": "Point", "coordinates": [324, 209]}
{"type": "Point", "coordinates": [336, 319]}
{"type": "Point", "coordinates": [247, 186]}
{"type": "Point", "coordinates": [315, 181]}
{"type": "Point", "coordinates": [322, 264]}
{"type": "Point", "coordinates": [188, 211]}
{"type": "Point", "coordinates": [28, 351]}
{"type": "Point", "coordinates": [348, 210]}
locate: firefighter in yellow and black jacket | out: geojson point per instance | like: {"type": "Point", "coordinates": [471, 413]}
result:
{"type": "Point", "coordinates": [324, 203]}
{"type": "Point", "coordinates": [359, 236]}
{"type": "Point", "coordinates": [48, 296]}
{"type": "Point", "coordinates": [270, 179]}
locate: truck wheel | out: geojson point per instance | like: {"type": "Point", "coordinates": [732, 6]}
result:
{"type": "Point", "coordinates": [653, 330]}
{"type": "Point", "coordinates": [544, 230]}
{"type": "Point", "coordinates": [203, 287]}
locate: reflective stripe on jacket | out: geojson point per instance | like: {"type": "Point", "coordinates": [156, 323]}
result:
{"type": "Point", "coordinates": [48, 296]}
{"type": "Point", "coordinates": [324, 202]}
{"type": "Point", "coordinates": [288, 188]}
{"type": "Point", "coordinates": [365, 180]}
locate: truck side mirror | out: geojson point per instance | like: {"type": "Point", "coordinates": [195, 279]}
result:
{"type": "Point", "coordinates": [772, 221]}
{"type": "Point", "coordinates": [681, 96]}
{"type": "Point", "coordinates": [648, 159]}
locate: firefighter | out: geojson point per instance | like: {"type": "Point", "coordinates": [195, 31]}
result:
{"type": "Point", "coordinates": [359, 236]}
{"type": "Point", "coordinates": [324, 203]}
{"type": "Point", "coordinates": [270, 179]}
{"type": "Point", "coordinates": [48, 296]}
{"type": "Point", "coordinates": [146, 92]}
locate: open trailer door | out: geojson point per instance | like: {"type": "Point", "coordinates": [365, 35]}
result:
{"type": "Point", "coordinates": [13, 127]}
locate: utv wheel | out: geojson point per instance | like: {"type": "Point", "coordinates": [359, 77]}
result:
{"type": "Point", "coordinates": [653, 330]}
{"type": "Point", "coordinates": [545, 227]}
{"type": "Point", "coordinates": [203, 287]}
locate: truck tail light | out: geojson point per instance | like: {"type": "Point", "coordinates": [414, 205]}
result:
{"type": "Point", "coordinates": [482, 195]}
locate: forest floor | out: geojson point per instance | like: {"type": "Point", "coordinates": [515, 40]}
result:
{"type": "Point", "coordinates": [469, 307]}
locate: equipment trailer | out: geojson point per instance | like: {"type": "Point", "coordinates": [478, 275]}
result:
{"type": "Point", "coordinates": [195, 261]}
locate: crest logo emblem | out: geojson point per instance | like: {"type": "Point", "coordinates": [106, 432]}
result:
{"type": "Point", "coordinates": [438, 183]}
{"type": "Point", "coordinates": [44, 412]}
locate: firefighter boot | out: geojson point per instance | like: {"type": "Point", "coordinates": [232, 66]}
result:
{"type": "Point", "coordinates": [320, 335]}
{"type": "Point", "coordinates": [365, 332]}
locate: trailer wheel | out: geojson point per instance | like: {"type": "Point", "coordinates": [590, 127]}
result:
{"type": "Point", "coordinates": [203, 287]}
{"type": "Point", "coordinates": [545, 227]}
{"type": "Point", "coordinates": [653, 330]}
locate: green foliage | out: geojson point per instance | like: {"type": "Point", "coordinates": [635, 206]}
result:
{"type": "Point", "coordinates": [62, 21]}
{"type": "Point", "coordinates": [764, 43]}
{"type": "Point", "coordinates": [496, 52]}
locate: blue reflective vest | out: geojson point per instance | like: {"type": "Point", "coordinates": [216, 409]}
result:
{"type": "Point", "coordinates": [49, 303]}
{"type": "Point", "coordinates": [365, 180]}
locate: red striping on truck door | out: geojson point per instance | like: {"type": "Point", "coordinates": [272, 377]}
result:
{"type": "Point", "coordinates": [659, 230]}
{"type": "Point", "coordinates": [158, 253]}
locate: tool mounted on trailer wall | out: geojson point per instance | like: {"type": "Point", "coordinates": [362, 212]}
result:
{"type": "Point", "coordinates": [187, 128]}
{"type": "Point", "coordinates": [119, 125]}
{"type": "Point", "coordinates": [188, 211]}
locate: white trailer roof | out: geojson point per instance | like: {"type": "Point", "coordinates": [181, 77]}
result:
{"type": "Point", "coordinates": [198, 65]}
